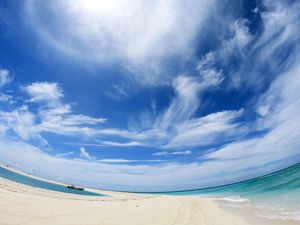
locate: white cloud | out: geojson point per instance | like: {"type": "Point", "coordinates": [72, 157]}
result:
{"type": "Point", "coordinates": [280, 31]}
{"type": "Point", "coordinates": [186, 101]}
{"type": "Point", "coordinates": [212, 128]}
{"type": "Point", "coordinates": [242, 159]}
{"type": "Point", "coordinates": [129, 31]}
{"type": "Point", "coordinates": [52, 115]}
{"type": "Point", "coordinates": [3, 129]}
{"type": "Point", "coordinates": [7, 98]}
{"type": "Point", "coordinates": [281, 27]}
{"type": "Point", "coordinates": [282, 120]}
{"type": "Point", "coordinates": [177, 127]}
{"type": "Point", "coordinates": [213, 62]}
{"type": "Point", "coordinates": [184, 104]}
{"type": "Point", "coordinates": [21, 121]}
{"type": "Point", "coordinates": [118, 92]}
{"type": "Point", "coordinates": [85, 155]}
{"type": "Point", "coordinates": [64, 154]}
{"type": "Point", "coordinates": [156, 177]}
{"type": "Point", "coordinates": [206, 68]}
{"type": "Point", "coordinates": [44, 92]}
{"type": "Point", "coordinates": [163, 153]}
{"type": "Point", "coordinates": [241, 38]}
{"type": "Point", "coordinates": [117, 161]}
{"type": "Point", "coordinates": [119, 144]}
{"type": "Point", "coordinates": [5, 77]}
{"type": "Point", "coordinates": [128, 161]}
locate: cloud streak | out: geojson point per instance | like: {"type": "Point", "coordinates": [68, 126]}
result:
{"type": "Point", "coordinates": [5, 77]}
{"type": "Point", "coordinates": [85, 155]}
{"type": "Point", "coordinates": [164, 153]}
{"type": "Point", "coordinates": [128, 31]}
{"type": "Point", "coordinates": [228, 143]}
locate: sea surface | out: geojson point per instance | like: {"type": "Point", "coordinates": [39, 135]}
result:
{"type": "Point", "coordinates": [10, 175]}
{"type": "Point", "coordinates": [275, 195]}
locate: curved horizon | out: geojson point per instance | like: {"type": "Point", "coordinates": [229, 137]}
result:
{"type": "Point", "coordinates": [7, 167]}
{"type": "Point", "coordinates": [138, 96]}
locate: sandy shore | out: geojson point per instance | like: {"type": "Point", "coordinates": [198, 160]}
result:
{"type": "Point", "coordinates": [21, 204]}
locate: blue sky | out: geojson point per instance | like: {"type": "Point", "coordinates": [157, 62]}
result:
{"type": "Point", "coordinates": [133, 95]}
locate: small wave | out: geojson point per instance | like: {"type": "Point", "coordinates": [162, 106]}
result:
{"type": "Point", "coordinates": [271, 212]}
{"type": "Point", "coordinates": [230, 199]}
{"type": "Point", "coordinates": [283, 216]}
{"type": "Point", "coordinates": [235, 199]}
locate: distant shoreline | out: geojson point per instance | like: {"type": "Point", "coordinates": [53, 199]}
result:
{"type": "Point", "coordinates": [225, 185]}
{"type": "Point", "coordinates": [145, 192]}
{"type": "Point", "coordinates": [37, 206]}
{"type": "Point", "coordinates": [29, 206]}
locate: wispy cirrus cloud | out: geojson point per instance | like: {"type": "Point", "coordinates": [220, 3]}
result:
{"type": "Point", "coordinates": [176, 126]}
{"type": "Point", "coordinates": [259, 137]}
{"type": "Point", "coordinates": [64, 154]}
{"type": "Point", "coordinates": [185, 152]}
{"type": "Point", "coordinates": [127, 161]}
{"type": "Point", "coordinates": [125, 144]}
{"type": "Point", "coordinates": [85, 154]}
{"type": "Point", "coordinates": [232, 161]}
{"type": "Point", "coordinates": [172, 128]}
{"type": "Point", "coordinates": [128, 31]}
{"type": "Point", "coordinates": [21, 121]}
{"type": "Point", "coordinates": [213, 128]}
{"type": "Point", "coordinates": [7, 98]}
{"type": "Point", "coordinates": [5, 77]}
{"type": "Point", "coordinates": [186, 102]}
{"type": "Point", "coordinates": [50, 93]}
{"type": "Point", "coordinates": [52, 116]}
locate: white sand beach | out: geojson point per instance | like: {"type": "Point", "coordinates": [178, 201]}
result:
{"type": "Point", "coordinates": [159, 112]}
{"type": "Point", "coordinates": [26, 205]}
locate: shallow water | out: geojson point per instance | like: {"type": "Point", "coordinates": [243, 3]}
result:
{"type": "Point", "coordinates": [277, 193]}
{"type": "Point", "coordinates": [10, 175]}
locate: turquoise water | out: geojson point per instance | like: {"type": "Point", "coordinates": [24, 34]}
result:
{"type": "Point", "coordinates": [275, 195]}
{"type": "Point", "coordinates": [10, 175]}
{"type": "Point", "coordinates": [279, 193]}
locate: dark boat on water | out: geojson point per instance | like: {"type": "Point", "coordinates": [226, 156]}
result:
{"type": "Point", "coordinates": [75, 188]}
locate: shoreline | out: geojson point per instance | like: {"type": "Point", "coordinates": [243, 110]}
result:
{"type": "Point", "coordinates": [107, 193]}
{"type": "Point", "coordinates": [253, 215]}
{"type": "Point", "coordinates": [23, 204]}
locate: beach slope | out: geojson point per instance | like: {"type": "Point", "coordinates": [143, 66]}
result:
{"type": "Point", "coordinates": [21, 204]}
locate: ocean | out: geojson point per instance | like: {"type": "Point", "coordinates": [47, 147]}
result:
{"type": "Point", "coordinates": [276, 195]}
{"type": "Point", "coordinates": [17, 177]}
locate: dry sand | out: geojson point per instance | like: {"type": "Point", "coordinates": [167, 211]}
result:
{"type": "Point", "coordinates": [24, 205]}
